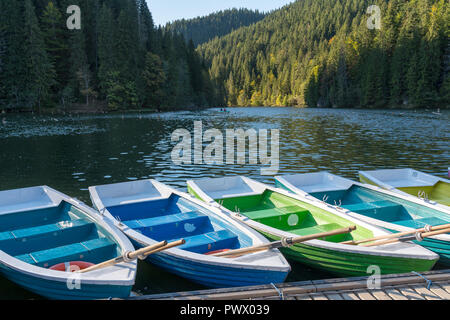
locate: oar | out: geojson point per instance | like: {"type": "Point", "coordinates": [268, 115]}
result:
{"type": "Point", "coordinates": [400, 234]}
{"type": "Point", "coordinates": [422, 235]}
{"type": "Point", "coordinates": [286, 242]}
{"type": "Point", "coordinates": [141, 253]}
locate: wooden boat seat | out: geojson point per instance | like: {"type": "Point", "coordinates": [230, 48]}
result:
{"type": "Point", "coordinates": [94, 251]}
{"type": "Point", "coordinates": [20, 241]}
{"type": "Point", "coordinates": [420, 223]}
{"type": "Point", "coordinates": [322, 228]}
{"type": "Point", "coordinates": [211, 241]}
{"type": "Point", "coordinates": [384, 210]}
{"type": "Point", "coordinates": [180, 224]}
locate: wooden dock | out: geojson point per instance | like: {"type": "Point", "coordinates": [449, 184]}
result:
{"type": "Point", "coordinates": [433, 285]}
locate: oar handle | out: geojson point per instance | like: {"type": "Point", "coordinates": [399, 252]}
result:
{"type": "Point", "coordinates": [396, 235]}
{"type": "Point", "coordinates": [400, 239]}
{"type": "Point", "coordinates": [285, 242]}
{"type": "Point", "coordinates": [141, 253]}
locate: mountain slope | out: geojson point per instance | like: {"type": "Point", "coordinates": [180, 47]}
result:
{"type": "Point", "coordinates": [203, 29]}
{"type": "Point", "coordinates": [321, 53]}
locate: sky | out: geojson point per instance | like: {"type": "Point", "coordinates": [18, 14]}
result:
{"type": "Point", "coordinates": [164, 11]}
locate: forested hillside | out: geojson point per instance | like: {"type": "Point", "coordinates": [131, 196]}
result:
{"type": "Point", "coordinates": [321, 53]}
{"type": "Point", "coordinates": [203, 29]}
{"type": "Point", "coordinates": [118, 58]}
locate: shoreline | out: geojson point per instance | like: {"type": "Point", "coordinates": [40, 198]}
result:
{"type": "Point", "coordinates": [99, 110]}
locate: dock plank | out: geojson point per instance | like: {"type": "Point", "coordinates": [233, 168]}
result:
{"type": "Point", "coordinates": [334, 296]}
{"type": "Point", "coordinates": [349, 296]}
{"type": "Point", "coordinates": [424, 292]}
{"type": "Point", "coordinates": [319, 297]}
{"type": "Point", "coordinates": [440, 292]}
{"type": "Point", "coordinates": [380, 295]}
{"type": "Point", "coordinates": [410, 293]}
{"type": "Point", "coordinates": [365, 295]}
{"type": "Point", "coordinates": [395, 294]}
{"type": "Point", "coordinates": [445, 286]}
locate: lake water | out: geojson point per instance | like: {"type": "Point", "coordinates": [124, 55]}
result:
{"type": "Point", "coordinates": [71, 153]}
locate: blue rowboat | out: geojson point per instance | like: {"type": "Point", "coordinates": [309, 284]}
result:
{"type": "Point", "coordinates": [392, 211]}
{"type": "Point", "coordinates": [148, 212]}
{"type": "Point", "coordinates": [43, 231]}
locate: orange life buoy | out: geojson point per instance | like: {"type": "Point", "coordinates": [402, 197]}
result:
{"type": "Point", "coordinates": [72, 266]}
{"type": "Point", "coordinates": [217, 251]}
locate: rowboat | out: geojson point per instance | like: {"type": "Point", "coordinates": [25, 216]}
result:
{"type": "Point", "coordinates": [425, 186]}
{"type": "Point", "coordinates": [45, 235]}
{"type": "Point", "coordinates": [278, 214]}
{"type": "Point", "coordinates": [148, 211]}
{"type": "Point", "coordinates": [389, 210]}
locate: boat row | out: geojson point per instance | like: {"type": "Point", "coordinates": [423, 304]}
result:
{"type": "Point", "coordinates": [223, 232]}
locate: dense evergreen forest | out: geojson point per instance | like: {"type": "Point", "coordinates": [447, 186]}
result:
{"type": "Point", "coordinates": [117, 59]}
{"type": "Point", "coordinates": [321, 53]}
{"type": "Point", "coordinates": [204, 29]}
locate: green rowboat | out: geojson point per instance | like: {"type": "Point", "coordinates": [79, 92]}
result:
{"type": "Point", "coordinates": [277, 213]}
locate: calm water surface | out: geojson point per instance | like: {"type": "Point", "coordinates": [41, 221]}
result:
{"type": "Point", "coordinates": [71, 153]}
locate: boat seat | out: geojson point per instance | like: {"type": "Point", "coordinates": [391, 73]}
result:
{"type": "Point", "coordinates": [31, 218]}
{"type": "Point", "coordinates": [27, 206]}
{"type": "Point", "coordinates": [420, 223]}
{"type": "Point", "coordinates": [94, 251]}
{"type": "Point", "coordinates": [43, 237]}
{"type": "Point", "coordinates": [180, 224]}
{"type": "Point", "coordinates": [222, 239]}
{"type": "Point", "coordinates": [383, 210]}
{"type": "Point", "coordinates": [322, 228]}
{"type": "Point", "coordinates": [274, 212]}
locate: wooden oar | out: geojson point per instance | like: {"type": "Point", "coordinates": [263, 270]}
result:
{"type": "Point", "coordinates": [396, 235]}
{"type": "Point", "coordinates": [282, 243]}
{"type": "Point", "coordinates": [141, 253]}
{"type": "Point", "coordinates": [413, 237]}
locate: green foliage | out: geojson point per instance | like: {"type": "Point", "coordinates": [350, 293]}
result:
{"type": "Point", "coordinates": [203, 29]}
{"type": "Point", "coordinates": [118, 56]}
{"type": "Point", "coordinates": [321, 53]}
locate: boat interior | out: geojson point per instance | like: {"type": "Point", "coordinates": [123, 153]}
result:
{"type": "Point", "coordinates": [291, 215]}
{"type": "Point", "coordinates": [439, 192]}
{"type": "Point", "coordinates": [175, 218]}
{"type": "Point", "coordinates": [374, 204]}
{"type": "Point", "coordinates": [53, 234]}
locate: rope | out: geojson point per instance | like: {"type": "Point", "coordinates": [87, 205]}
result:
{"type": "Point", "coordinates": [279, 292]}
{"type": "Point", "coordinates": [429, 282]}
{"type": "Point", "coordinates": [419, 237]}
